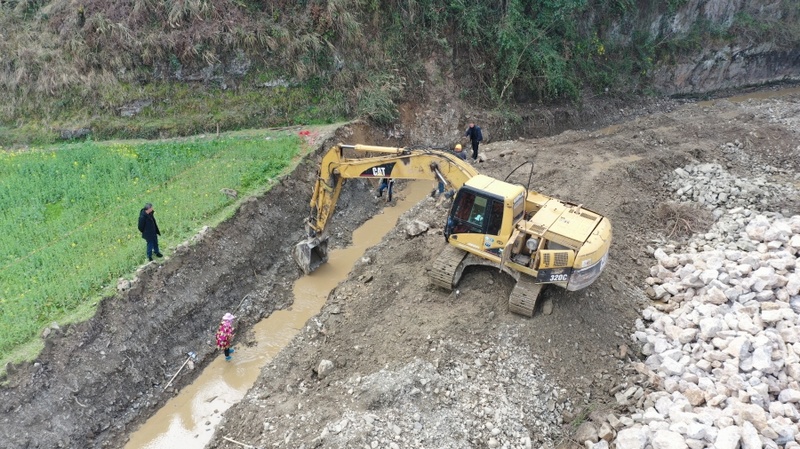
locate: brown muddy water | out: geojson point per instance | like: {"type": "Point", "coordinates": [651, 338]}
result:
{"type": "Point", "coordinates": [188, 420]}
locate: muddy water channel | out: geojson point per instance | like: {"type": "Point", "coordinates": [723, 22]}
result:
{"type": "Point", "coordinates": [188, 420]}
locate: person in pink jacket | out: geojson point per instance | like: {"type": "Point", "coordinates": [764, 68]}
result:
{"type": "Point", "coordinates": [225, 335]}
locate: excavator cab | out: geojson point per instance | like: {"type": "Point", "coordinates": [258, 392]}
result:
{"type": "Point", "coordinates": [485, 206]}
{"type": "Point", "coordinates": [475, 212]}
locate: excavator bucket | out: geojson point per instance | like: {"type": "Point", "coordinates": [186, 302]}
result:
{"type": "Point", "coordinates": [311, 253]}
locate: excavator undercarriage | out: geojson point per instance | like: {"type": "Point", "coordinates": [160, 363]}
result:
{"type": "Point", "coordinates": [449, 266]}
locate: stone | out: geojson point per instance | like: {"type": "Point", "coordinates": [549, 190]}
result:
{"type": "Point", "coordinates": [614, 421]}
{"type": "Point", "coordinates": [547, 307]}
{"type": "Point", "coordinates": [709, 275]}
{"type": "Point", "coordinates": [672, 367]}
{"type": "Point", "coordinates": [751, 413]}
{"type": "Point", "coordinates": [696, 431]}
{"type": "Point", "coordinates": [709, 327]}
{"type": "Point", "coordinates": [738, 347]}
{"type": "Point", "coordinates": [789, 395]}
{"type": "Point", "coordinates": [123, 284]}
{"type": "Point", "coordinates": [587, 431]}
{"type": "Point", "coordinates": [231, 193]}
{"type": "Point", "coordinates": [324, 368]}
{"type": "Point", "coordinates": [793, 284]}
{"type": "Point", "coordinates": [764, 278]}
{"type": "Point", "coordinates": [416, 227]}
{"type": "Point", "coordinates": [750, 438]}
{"type": "Point", "coordinates": [715, 296]}
{"type": "Point", "coordinates": [746, 324]}
{"type": "Point", "coordinates": [687, 336]}
{"type": "Point", "coordinates": [657, 292]}
{"type": "Point", "coordinates": [733, 293]}
{"type": "Point", "coordinates": [651, 415]}
{"type": "Point", "coordinates": [762, 358]}
{"type": "Point", "coordinates": [757, 227]}
{"type": "Point", "coordinates": [666, 439]}
{"type": "Point", "coordinates": [696, 444]}
{"type": "Point", "coordinates": [728, 438]}
{"type": "Point", "coordinates": [605, 432]}
{"type": "Point", "coordinates": [695, 395]}
{"type": "Point", "coordinates": [660, 255]}
{"type": "Point", "coordinates": [631, 438]}
{"type": "Point", "coordinates": [73, 134]}
{"type": "Point", "coordinates": [771, 314]}
{"type": "Point", "coordinates": [779, 231]}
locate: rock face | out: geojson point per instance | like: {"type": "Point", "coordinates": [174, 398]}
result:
{"type": "Point", "coordinates": [741, 65]}
{"type": "Point", "coordinates": [722, 63]}
{"type": "Point", "coordinates": [726, 345]}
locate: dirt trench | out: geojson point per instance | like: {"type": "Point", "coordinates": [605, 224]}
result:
{"type": "Point", "coordinates": [96, 381]}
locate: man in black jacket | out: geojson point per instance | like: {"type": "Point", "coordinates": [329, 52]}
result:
{"type": "Point", "coordinates": [475, 135]}
{"type": "Point", "coordinates": [149, 229]}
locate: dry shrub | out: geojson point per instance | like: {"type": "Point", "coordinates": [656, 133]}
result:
{"type": "Point", "coordinates": [683, 219]}
{"type": "Point", "coordinates": [54, 52]}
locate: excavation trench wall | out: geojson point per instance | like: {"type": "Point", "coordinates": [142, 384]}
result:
{"type": "Point", "coordinates": [95, 381]}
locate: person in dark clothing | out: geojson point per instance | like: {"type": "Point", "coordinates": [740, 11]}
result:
{"type": "Point", "coordinates": [475, 135]}
{"type": "Point", "coordinates": [149, 229]}
{"type": "Point", "coordinates": [386, 183]}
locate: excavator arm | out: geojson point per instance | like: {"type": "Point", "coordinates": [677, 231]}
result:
{"type": "Point", "coordinates": [382, 162]}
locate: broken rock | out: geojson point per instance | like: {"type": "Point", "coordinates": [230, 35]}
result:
{"type": "Point", "coordinates": [324, 368]}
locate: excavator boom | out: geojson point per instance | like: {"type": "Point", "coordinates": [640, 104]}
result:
{"type": "Point", "coordinates": [384, 162]}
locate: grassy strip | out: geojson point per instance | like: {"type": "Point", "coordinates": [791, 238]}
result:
{"type": "Point", "coordinates": [170, 109]}
{"type": "Point", "coordinates": [70, 212]}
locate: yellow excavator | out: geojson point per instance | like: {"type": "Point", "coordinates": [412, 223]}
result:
{"type": "Point", "coordinates": [536, 239]}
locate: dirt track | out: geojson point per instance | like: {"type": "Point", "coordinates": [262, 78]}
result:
{"type": "Point", "coordinates": [96, 381]}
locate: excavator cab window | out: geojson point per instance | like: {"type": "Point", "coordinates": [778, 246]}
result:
{"type": "Point", "coordinates": [496, 218]}
{"type": "Point", "coordinates": [475, 213]}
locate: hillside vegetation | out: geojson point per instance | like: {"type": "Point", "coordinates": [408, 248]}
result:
{"type": "Point", "coordinates": [140, 68]}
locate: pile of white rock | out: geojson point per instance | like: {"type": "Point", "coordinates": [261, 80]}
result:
{"type": "Point", "coordinates": [723, 341]}
{"type": "Point", "coordinates": [711, 186]}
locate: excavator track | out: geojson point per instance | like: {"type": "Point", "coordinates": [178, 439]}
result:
{"type": "Point", "coordinates": [446, 266]}
{"type": "Point", "coordinates": [523, 298]}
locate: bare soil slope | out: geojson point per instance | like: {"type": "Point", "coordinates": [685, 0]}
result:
{"type": "Point", "coordinates": [389, 333]}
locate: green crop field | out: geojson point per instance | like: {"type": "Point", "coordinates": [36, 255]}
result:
{"type": "Point", "coordinates": [69, 214]}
